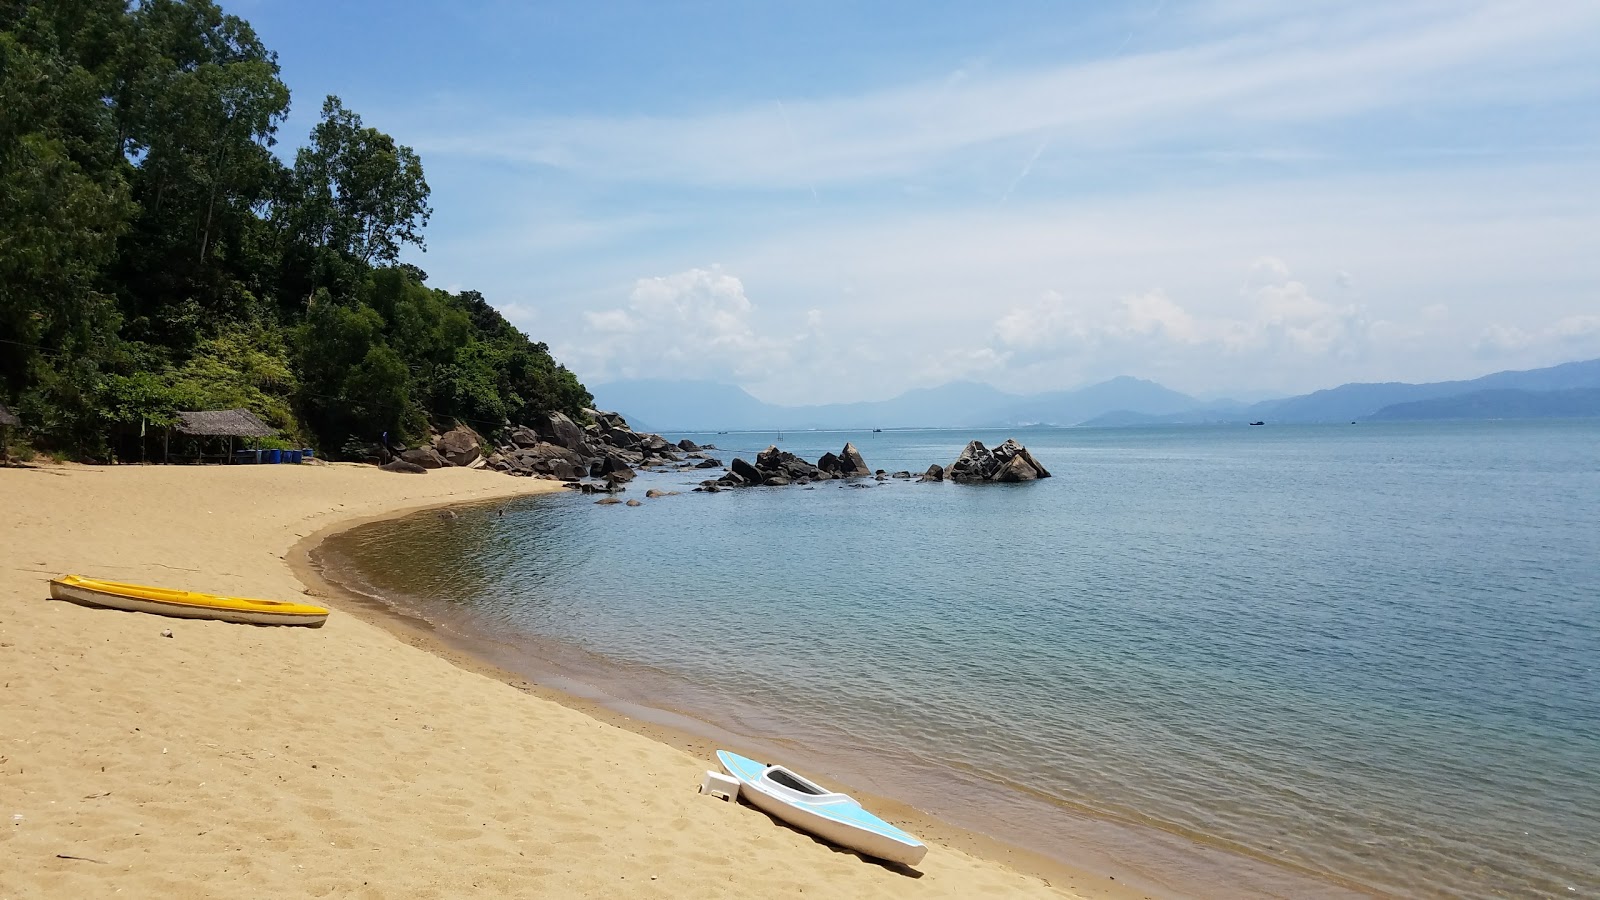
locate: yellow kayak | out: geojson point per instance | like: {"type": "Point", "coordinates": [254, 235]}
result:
{"type": "Point", "coordinates": [185, 604]}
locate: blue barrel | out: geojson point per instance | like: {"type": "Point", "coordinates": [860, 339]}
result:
{"type": "Point", "coordinates": [274, 456]}
{"type": "Point", "coordinates": [245, 456]}
{"type": "Point", "coordinates": [294, 456]}
{"type": "Point", "coordinates": [308, 453]}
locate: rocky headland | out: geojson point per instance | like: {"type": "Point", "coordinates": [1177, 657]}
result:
{"type": "Point", "coordinates": [603, 456]}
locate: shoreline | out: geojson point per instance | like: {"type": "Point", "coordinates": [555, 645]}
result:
{"type": "Point", "coordinates": [691, 735]}
{"type": "Point", "coordinates": [183, 757]}
{"type": "Point", "coordinates": [1192, 866]}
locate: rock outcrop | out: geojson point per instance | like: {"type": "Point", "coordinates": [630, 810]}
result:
{"type": "Point", "coordinates": [425, 457]}
{"type": "Point", "coordinates": [460, 446]}
{"type": "Point", "coordinates": [1009, 462]}
{"type": "Point", "coordinates": [847, 464]}
{"type": "Point", "coordinates": [557, 429]}
{"type": "Point", "coordinates": [557, 447]}
{"type": "Point", "coordinates": [776, 468]}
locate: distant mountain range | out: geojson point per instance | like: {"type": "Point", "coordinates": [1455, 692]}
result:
{"type": "Point", "coordinates": [1576, 403]}
{"type": "Point", "coordinates": [1567, 390]}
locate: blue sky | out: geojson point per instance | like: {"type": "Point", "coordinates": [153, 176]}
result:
{"type": "Point", "coordinates": [826, 202]}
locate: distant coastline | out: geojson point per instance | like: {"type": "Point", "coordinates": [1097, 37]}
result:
{"type": "Point", "coordinates": [1567, 390]}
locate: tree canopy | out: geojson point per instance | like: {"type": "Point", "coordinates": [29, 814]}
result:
{"type": "Point", "coordinates": [156, 254]}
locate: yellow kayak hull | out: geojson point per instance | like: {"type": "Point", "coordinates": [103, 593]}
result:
{"type": "Point", "coordinates": [184, 604]}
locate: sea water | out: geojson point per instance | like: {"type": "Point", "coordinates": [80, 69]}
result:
{"type": "Point", "coordinates": [1366, 652]}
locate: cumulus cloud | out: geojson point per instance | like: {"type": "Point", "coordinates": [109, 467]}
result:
{"type": "Point", "coordinates": [1558, 341]}
{"type": "Point", "coordinates": [1289, 317]}
{"type": "Point", "coordinates": [697, 323]}
{"type": "Point", "coordinates": [1278, 323]}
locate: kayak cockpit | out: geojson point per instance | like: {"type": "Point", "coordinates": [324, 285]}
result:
{"type": "Point", "coordinates": [785, 778]}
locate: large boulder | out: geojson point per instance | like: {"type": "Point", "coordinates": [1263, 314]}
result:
{"type": "Point", "coordinates": [400, 465]}
{"type": "Point", "coordinates": [620, 437]}
{"type": "Point", "coordinates": [851, 465]}
{"type": "Point", "coordinates": [557, 429]}
{"type": "Point", "coordinates": [688, 446]}
{"type": "Point", "coordinates": [567, 471]}
{"type": "Point", "coordinates": [1009, 462]}
{"type": "Point", "coordinates": [608, 421]}
{"type": "Point", "coordinates": [523, 436]}
{"type": "Point", "coordinates": [460, 446]}
{"type": "Point", "coordinates": [611, 466]}
{"type": "Point", "coordinates": [935, 473]}
{"type": "Point", "coordinates": [773, 462]}
{"type": "Point", "coordinates": [544, 450]}
{"type": "Point", "coordinates": [745, 472]}
{"type": "Point", "coordinates": [424, 457]}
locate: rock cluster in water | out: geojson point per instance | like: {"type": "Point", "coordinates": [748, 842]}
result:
{"type": "Point", "coordinates": [601, 458]}
{"type": "Point", "coordinates": [775, 468]}
{"type": "Point", "coordinates": [1008, 462]}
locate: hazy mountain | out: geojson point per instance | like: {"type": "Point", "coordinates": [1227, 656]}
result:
{"type": "Point", "coordinates": [1349, 402]}
{"type": "Point", "coordinates": [653, 404]}
{"type": "Point", "coordinates": [661, 405]}
{"type": "Point", "coordinates": [1498, 404]}
{"type": "Point", "coordinates": [1072, 407]}
{"type": "Point", "coordinates": [707, 406]}
{"type": "Point", "coordinates": [1208, 415]}
{"type": "Point", "coordinates": [1354, 401]}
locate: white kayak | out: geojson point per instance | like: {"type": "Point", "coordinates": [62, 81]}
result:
{"type": "Point", "coordinates": [829, 815]}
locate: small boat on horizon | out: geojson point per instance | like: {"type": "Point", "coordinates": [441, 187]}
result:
{"type": "Point", "coordinates": [830, 815]}
{"type": "Point", "coordinates": [1258, 423]}
{"type": "Point", "coordinates": [183, 604]}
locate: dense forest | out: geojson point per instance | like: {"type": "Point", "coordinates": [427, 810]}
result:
{"type": "Point", "coordinates": [157, 255]}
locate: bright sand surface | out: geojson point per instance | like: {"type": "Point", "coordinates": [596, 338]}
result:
{"type": "Point", "coordinates": [245, 761]}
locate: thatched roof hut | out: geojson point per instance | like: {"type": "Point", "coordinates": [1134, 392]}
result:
{"type": "Point", "coordinates": [222, 423]}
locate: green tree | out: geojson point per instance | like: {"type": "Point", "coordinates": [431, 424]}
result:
{"type": "Point", "coordinates": [155, 255]}
{"type": "Point", "coordinates": [360, 194]}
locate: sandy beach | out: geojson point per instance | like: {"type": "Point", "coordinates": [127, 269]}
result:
{"type": "Point", "coordinates": [241, 761]}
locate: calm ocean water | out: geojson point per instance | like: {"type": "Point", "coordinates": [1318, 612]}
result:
{"type": "Point", "coordinates": [1368, 652]}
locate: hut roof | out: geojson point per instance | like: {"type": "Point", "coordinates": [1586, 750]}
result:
{"type": "Point", "coordinates": [223, 423]}
{"type": "Point", "coordinates": [7, 417]}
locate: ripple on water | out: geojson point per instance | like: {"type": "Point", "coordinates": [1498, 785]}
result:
{"type": "Point", "coordinates": [1369, 652]}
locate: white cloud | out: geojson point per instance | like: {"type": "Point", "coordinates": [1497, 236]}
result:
{"type": "Point", "coordinates": [1151, 202]}
{"type": "Point", "coordinates": [693, 324]}
{"type": "Point", "coordinates": [1564, 339]}
{"type": "Point", "coordinates": [1320, 65]}
{"type": "Point", "coordinates": [1289, 318]}
{"type": "Point", "coordinates": [1277, 325]}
